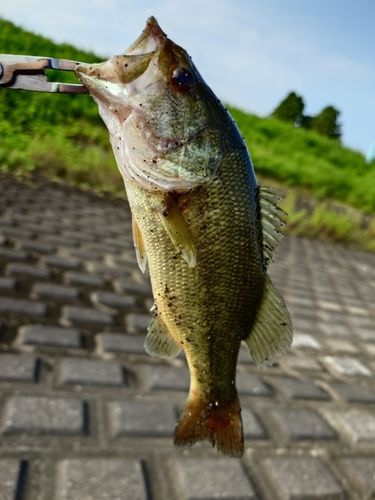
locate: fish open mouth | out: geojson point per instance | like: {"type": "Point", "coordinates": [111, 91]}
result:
{"type": "Point", "coordinates": [103, 79]}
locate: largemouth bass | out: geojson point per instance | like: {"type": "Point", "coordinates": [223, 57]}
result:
{"type": "Point", "coordinates": [200, 222]}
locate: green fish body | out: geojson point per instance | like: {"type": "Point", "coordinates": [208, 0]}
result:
{"type": "Point", "coordinates": [201, 224]}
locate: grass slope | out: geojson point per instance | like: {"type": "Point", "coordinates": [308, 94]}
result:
{"type": "Point", "coordinates": [56, 134]}
{"type": "Point", "coordinates": [63, 137]}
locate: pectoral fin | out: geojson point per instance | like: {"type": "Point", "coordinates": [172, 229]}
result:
{"type": "Point", "coordinates": [159, 342]}
{"type": "Point", "coordinates": [271, 334]}
{"type": "Point", "coordinates": [139, 246]}
{"type": "Point", "coordinates": [176, 226]}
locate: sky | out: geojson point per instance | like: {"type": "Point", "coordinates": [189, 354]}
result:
{"type": "Point", "coordinates": [252, 53]}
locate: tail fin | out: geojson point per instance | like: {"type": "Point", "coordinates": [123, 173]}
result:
{"type": "Point", "coordinates": [221, 424]}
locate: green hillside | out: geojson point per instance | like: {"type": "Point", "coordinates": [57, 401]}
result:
{"type": "Point", "coordinates": [55, 134]}
{"type": "Point", "coordinates": [328, 187]}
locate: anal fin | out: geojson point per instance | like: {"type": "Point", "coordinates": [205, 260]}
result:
{"type": "Point", "coordinates": [159, 342]}
{"type": "Point", "coordinates": [177, 228]}
{"type": "Point", "coordinates": [139, 246]}
{"type": "Point", "coordinates": [272, 333]}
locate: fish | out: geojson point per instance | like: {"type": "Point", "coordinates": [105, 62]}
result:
{"type": "Point", "coordinates": [201, 225]}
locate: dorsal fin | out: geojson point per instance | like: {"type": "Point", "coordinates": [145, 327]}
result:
{"type": "Point", "coordinates": [272, 221]}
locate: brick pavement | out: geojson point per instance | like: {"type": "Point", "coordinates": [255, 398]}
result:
{"type": "Point", "coordinates": [85, 414]}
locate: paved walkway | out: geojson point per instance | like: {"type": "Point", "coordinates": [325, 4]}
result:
{"type": "Point", "coordinates": [85, 414]}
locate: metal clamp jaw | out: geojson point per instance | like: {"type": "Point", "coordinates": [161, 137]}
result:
{"type": "Point", "coordinates": [29, 73]}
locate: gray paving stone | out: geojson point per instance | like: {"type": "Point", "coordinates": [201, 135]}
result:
{"type": "Point", "coordinates": [13, 254]}
{"type": "Point", "coordinates": [15, 232]}
{"type": "Point", "coordinates": [6, 222]}
{"type": "Point", "coordinates": [301, 363]}
{"type": "Point", "coordinates": [305, 341]}
{"type": "Point", "coordinates": [50, 336]}
{"type": "Point", "coordinates": [55, 291]}
{"type": "Point", "coordinates": [38, 246]}
{"type": "Point", "coordinates": [341, 346]}
{"type": "Point", "coordinates": [252, 428]}
{"type": "Point", "coordinates": [102, 248]}
{"type": "Point", "coordinates": [302, 478]}
{"type": "Point", "coordinates": [41, 229]}
{"type": "Point", "coordinates": [28, 270]}
{"type": "Point", "coordinates": [62, 241]}
{"type": "Point", "coordinates": [137, 323]}
{"type": "Point", "coordinates": [78, 236]}
{"type": "Point", "coordinates": [168, 378]}
{"type": "Point", "coordinates": [10, 470]}
{"type": "Point", "coordinates": [139, 418]}
{"type": "Point", "coordinates": [76, 278]}
{"type": "Point", "coordinates": [347, 366]}
{"type": "Point", "coordinates": [304, 326]}
{"type": "Point", "coordinates": [354, 392]}
{"type": "Point", "coordinates": [119, 243]}
{"type": "Point", "coordinates": [207, 479]}
{"type": "Point", "coordinates": [101, 479]}
{"type": "Point", "coordinates": [358, 425]}
{"type": "Point", "coordinates": [86, 315]}
{"type": "Point", "coordinates": [22, 306]}
{"type": "Point", "coordinates": [18, 368]}
{"type": "Point", "coordinates": [248, 383]}
{"type": "Point", "coordinates": [121, 342]}
{"type": "Point", "coordinates": [361, 473]}
{"type": "Point", "coordinates": [43, 415]}
{"type": "Point", "coordinates": [129, 286]}
{"type": "Point", "coordinates": [113, 299]}
{"type": "Point", "coordinates": [302, 424]}
{"type": "Point", "coordinates": [90, 371]}
{"type": "Point", "coordinates": [104, 270]}
{"type": "Point", "coordinates": [367, 334]}
{"type": "Point", "coordinates": [7, 283]}
{"type": "Point", "coordinates": [56, 261]}
{"type": "Point", "coordinates": [297, 389]}
{"type": "Point", "coordinates": [335, 330]}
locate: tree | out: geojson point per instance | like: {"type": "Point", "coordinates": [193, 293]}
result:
{"type": "Point", "coordinates": [290, 109]}
{"type": "Point", "coordinates": [325, 123]}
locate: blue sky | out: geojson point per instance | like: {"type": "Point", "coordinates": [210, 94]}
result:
{"type": "Point", "coordinates": [251, 52]}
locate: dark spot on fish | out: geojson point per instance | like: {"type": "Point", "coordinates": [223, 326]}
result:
{"type": "Point", "coordinates": [165, 213]}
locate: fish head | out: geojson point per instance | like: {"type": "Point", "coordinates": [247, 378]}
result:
{"type": "Point", "coordinates": [161, 115]}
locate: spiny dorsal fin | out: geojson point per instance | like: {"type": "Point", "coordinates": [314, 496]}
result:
{"type": "Point", "coordinates": [158, 341]}
{"type": "Point", "coordinates": [272, 222]}
{"type": "Point", "coordinates": [139, 246]}
{"type": "Point", "coordinates": [176, 226]}
{"type": "Point", "coordinates": [272, 333]}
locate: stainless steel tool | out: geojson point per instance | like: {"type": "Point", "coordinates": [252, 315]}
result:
{"type": "Point", "coordinates": [29, 73]}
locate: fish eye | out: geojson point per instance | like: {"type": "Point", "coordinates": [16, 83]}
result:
{"type": "Point", "coordinates": [181, 79]}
